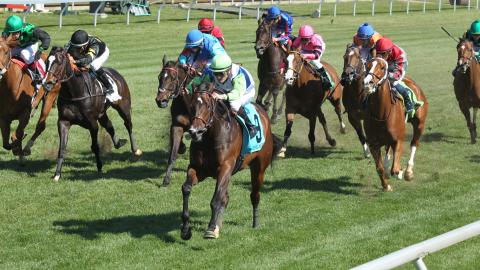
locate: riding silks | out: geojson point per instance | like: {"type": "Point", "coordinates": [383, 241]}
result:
{"type": "Point", "coordinates": [250, 145]}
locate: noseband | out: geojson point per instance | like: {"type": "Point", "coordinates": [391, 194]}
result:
{"type": "Point", "coordinates": [212, 110]}
{"type": "Point", "coordinates": [466, 60]}
{"type": "Point", "coordinates": [358, 70]}
{"type": "Point", "coordinates": [380, 80]}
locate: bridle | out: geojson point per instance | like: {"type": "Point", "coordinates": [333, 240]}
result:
{"type": "Point", "coordinates": [269, 41]}
{"type": "Point", "coordinates": [464, 62]}
{"type": "Point", "coordinates": [212, 109]}
{"type": "Point", "coordinates": [178, 84]}
{"type": "Point", "coordinates": [60, 76]}
{"type": "Point", "coordinates": [356, 71]}
{"type": "Point", "coordinates": [295, 71]}
{"type": "Point", "coordinates": [371, 73]}
{"type": "Point", "coordinates": [6, 66]}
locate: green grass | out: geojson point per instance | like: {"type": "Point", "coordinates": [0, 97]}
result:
{"type": "Point", "coordinates": [325, 211]}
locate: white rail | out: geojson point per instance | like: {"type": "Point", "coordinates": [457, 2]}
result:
{"type": "Point", "coordinates": [415, 253]}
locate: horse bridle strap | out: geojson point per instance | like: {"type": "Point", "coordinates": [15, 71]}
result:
{"type": "Point", "coordinates": [212, 111]}
{"type": "Point", "coordinates": [178, 84]}
{"type": "Point", "coordinates": [9, 62]}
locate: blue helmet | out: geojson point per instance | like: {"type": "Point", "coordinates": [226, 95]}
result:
{"type": "Point", "coordinates": [194, 39]}
{"type": "Point", "coordinates": [365, 31]}
{"type": "Point", "coordinates": [273, 13]}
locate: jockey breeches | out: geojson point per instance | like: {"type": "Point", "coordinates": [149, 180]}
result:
{"type": "Point", "coordinates": [27, 54]}
{"type": "Point", "coordinates": [246, 98]}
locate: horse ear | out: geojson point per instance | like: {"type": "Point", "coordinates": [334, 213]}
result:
{"type": "Point", "coordinates": [164, 60]}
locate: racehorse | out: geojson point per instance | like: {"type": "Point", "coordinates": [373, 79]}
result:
{"type": "Point", "coordinates": [16, 95]}
{"type": "Point", "coordinates": [467, 85]}
{"type": "Point", "coordinates": [271, 57]}
{"type": "Point", "coordinates": [304, 95]}
{"type": "Point", "coordinates": [81, 101]}
{"type": "Point", "coordinates": [171, 80]}
{"type": "Point", "coordinates": [385, 121]}
{"type": "Point", "coordinates": [215, 152]}
{"type": "Point", "coordinates": [353, 94]}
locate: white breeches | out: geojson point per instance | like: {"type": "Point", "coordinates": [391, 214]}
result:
{"type": "Point", "coordinates": [98, 62]}
{"type": "Point", "coordinates": [27, 54]}
{"type": "Point", "coordinates": [246, 98]}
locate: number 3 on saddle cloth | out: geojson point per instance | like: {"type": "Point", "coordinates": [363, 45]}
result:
{"type": "Point", "coordinates": [253, 144]}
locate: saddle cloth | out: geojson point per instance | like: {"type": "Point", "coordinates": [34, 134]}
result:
{"type": "Point", "coordinates": [254, 144]}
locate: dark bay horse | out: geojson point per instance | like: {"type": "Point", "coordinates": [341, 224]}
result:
{"type": "Point", "coordinates": [305, 96]}
{"type": "Point", "coordinates": [467, 85]}
{"type": "Point", "coordinates": [353, 94]}
{"type": "Point", "coordinates": [385, 121]}
{"type": "Point", "coordinates": [81, 101]}
{"type": "Point", "coordinates": [214, 152]}
{"type": "Point", "coordinates": [16, 98]}
{"type": "Point", "coordinates": [271, 57]}
{"type": "Point", "coordinates": [171, 81]}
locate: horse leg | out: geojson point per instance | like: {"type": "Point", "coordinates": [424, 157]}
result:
{"type": "Point", "coordinates": [377, 156]}
{"type": "Point", "coordinates": [418, 126]}
{"type": "Point", "coordinates": [176, 134]}
{"type": "Point", "coordinates": [338, 110]}
{"type": "Point", "coordinates": [466, 113]}
{"type": "Point", "coordinates": [474, 123]}
{"type": "Point", "coordinates": [282, 104]}
{"type": "Point", "coordinates": [94, 147]}
{"type": "Point", "coordinates": [323, 121]}
{"type": "Point", "coordinates": [261, 94]}
{"type": "Point", "coordinates": [311, 133]}
{"type": "Point", "coordinates": [5, 127]}
{"type": "Point", "coordinates": [396, 169]}
{"type": "Point", "coordinates": [192, 179]}
{"type": "Point", "coordinates": [257, 176]}
{"type": "Point", "coordinates": [18, 136]}
{"type": "Point", "coordinates": [107, 124]}
{"type": "Point", "coordinates": [219, 200]}
{"type": "Point", "coordinates": [275, 111]}
{"type": "Point", "coordinates": [288, 131]}
{"type": "Point", "coordinates": [125, 114]}
{"type": "Point", "coordinates": [41, 124]}
{"type": "Point", "coordinates": [63, 128]}
{"type": "Point", "coordinates": [357, 125]}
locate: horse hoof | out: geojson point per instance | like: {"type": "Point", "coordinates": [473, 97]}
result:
{"type": "Point", "coordinates": [27, 152]}
{"type": "Point", "coordinates": [399, 176]}
{"type": "Point", "coordinates": [343, 129]}
{"type": "Point", "coordinates": [388, 188]}
{"type": "Point", "coordinates": [22, 160]}
{"type": "Point", "coordinates": [186, 233]}
{"type": "Point", "coordinates": [138, 153]}
{"type": "Point", "coordinates": [332, 142]}
{"type": "Point", "coordinates": [182, 149]}
{"type": "Point", "coordinates": [120, 143]}
{"type": "Point", "coordinates": [212, 234]}
{"type": "Point", "coordinates": [408, 175]}
{"type": "Point", "coordinates": [56, 177]}
{"type": "Point", "coordinates": [281, 154]}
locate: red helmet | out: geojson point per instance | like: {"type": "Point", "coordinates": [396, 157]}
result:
{"type": "Point", "coordinates": [205, 25]}
{"type": "Point", "coordinates": [384, 45]}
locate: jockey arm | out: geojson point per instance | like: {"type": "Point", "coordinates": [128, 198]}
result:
{"type": "Point", "coordinates": [239, 85]}
{"type": "Point", "coordinates": [196, 81]}
{"type": "Point", "coordinates": [182, 58]}
{"type": "Point", "coordinates": [89, 56]}
{"type": "Point", "coordinates": [396, 70]}
{"type": "Point", "coordinates": [44, 38]}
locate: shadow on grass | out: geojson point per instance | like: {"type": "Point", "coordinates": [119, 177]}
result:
{"type": "Point", "coordinates": [320, 152]}
{"type": "Point", "coordinates": [160, 226]}
{"type": "Point", "coordinates": [441, 137]}
{"type": "Point", "coordinates": [475, 158]}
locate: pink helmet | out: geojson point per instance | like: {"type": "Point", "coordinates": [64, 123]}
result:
{"type": "Point", "coordinates": [306, 31]}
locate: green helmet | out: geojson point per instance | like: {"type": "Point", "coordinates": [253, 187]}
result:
{"type": "Point", "coordinates": [13, 24]}
{"type": "Point", "coordinates": [220, 63]}
{"type": "Point", "coordinates": [475, 27]}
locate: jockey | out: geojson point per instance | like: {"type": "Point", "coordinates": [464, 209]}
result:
{"type": "Point", "coordinates": [397, 67]}
{"type": "Point", "coordinates": [89, 51]}
{"type": "Point", "coordinates": [311, 48]}
{"type": "Point", "coordinates": [365, 40]}
{"type": "Point", "coordinates": [28, 48]}
{"type": "Point", "coordinates": [200, 49]}
{"type": "Point", "coordinates": [473, 35]}
{"type": "Point", "coordinates": [282, 29]}
{"type": "Point", "coordinates": [233, 83]}
{"type": "Point", "coordinates": [206, 26]}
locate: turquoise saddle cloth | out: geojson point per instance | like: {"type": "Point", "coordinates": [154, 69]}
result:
{"type": "Point", "coordinates": [254, 144]}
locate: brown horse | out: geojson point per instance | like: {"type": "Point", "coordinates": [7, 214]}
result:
{"type": "Point", "coordinates": [215, 152]}
{"type": "Point", "coordinates": [467, 85]}
{"type": "Point", "coordinates": [353, 94]}
{"type": "Point", "coordinates": [305, 96]}
{"type": "Point", "coordinates": [385, 121]}
{"type": "Point", "coordinates": [81, 101]}
{"type": "Point", "coordinates": [171, 81]}
{"type": "Point", "coordinates": [271, 57]}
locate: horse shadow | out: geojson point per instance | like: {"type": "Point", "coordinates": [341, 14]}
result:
{"type": "Point", "coordinates": [475, 158]}
{"type": "Point", "coordinates": [439, 137]}
{"type": "Point", "coordinates": [137, 226]}
{"type": "Point", "coordinates": [320, 152]}
{"type": "Point", "coordinates": [35, 166]}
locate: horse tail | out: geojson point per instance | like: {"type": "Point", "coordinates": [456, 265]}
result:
{"type": "Point", "coordinates": [277, 145]}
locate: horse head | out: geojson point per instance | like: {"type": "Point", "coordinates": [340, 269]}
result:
{"type": "Point", "coordinates": [465, 54]}
{"type": "Point", "coordinates": [377, 71]}
{"type": "Point", "coordinates": [59, 68]}
{"type": "Point", "coordinates": [295, 65]}
{"type": "Point", "coordinates": [353, 66]}
{"type": "Point", "coordinates": [171, 81]}
{"type": "Point", "coordinates": [203, 110]}
{"type": "Point", "coordinates": [5, 54]}
{"type": "Point", "coordinates": [264, 37]}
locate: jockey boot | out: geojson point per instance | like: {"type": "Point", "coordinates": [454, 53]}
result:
{"type": "Point", "coordinates": [326, 83]}
{"type": "Point", "coordinates": [36, 76]}
{"type": "Point", "coordinates": [252, 130]}
{"type": "Point", "coordinates": [406, 99]}
{"type": "Point", "coordinates": [102, 77]}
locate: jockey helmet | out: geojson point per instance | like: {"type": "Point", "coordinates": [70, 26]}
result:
{"type": "Point", "coordinates": [365, 31]}
{"type": "Point", "coordinates": [475, 27]}
{"type": "Point", "coordinates": [79, 38]}
{"type": "Point", "coordinates": [273, 13]}
{"type": "Point", "coordinates": [13, 24]}
{"type": "Point", "coordinates": [205, 25]}
{"type": "Point", "coordinates": [221, 63]}
{"type": "Point", "coordinates": [194, 39]}
{"type": "Point", "coordinates": [306, 31]}
{"type": "Point", "coordinates": [384, 45]}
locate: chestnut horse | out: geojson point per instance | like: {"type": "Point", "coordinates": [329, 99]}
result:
{"type": "Point", "coordinates": [16, 94]}
{"type": "Point", "coordinates": [171, 80]}
{"type": "Point", "coordinates": [385, 121]}
{"type": "Point", "coordinates": [215, 152]}
{"type": "Point", "coordinates": [304, 95]}
{"type": "Point", "coordinates": [467, 85]}
{"type": "Point", "coordinates": [81, 101]}
{"type": "Point", "coordinates": [270, 56]}
{"type": "Point", "coordinates": [353, 94]}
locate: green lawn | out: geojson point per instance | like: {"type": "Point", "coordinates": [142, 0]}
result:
{"type": "Point", "coordinates": [325, 211]}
